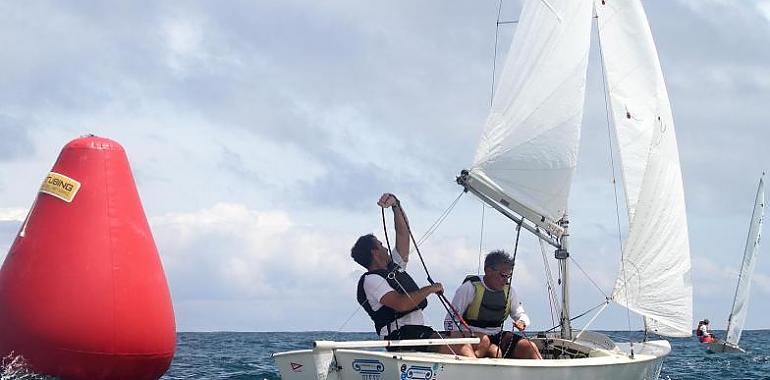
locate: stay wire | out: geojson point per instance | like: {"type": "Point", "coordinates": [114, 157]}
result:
{"type": "Point", "coordinates": [614, 181]}
{"type": "Point", "coordinates": [494, 55]}
{"type": "Point", "coordinates": [549, 282]}
{"type": "Point", "coordinates": [440, 219]}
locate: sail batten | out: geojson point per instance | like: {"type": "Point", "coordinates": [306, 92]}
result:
{"type": "Point", "coordinates": [740, 302]}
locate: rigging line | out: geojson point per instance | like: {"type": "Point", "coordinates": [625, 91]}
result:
{"type": "Point", "coordinates": [444, 301]}
{"type": "Point", "coordinates": [606, 303]}
{"type": "Point", "coordinates": [589, 278]}
{"type": "Point", "coordinates": [510, 290]}
{"type": "Point", "coordinates": [357, 309]}
{"type": "Point", "coordinates": [549, 282]}
{"type": "Point", "coordinates": [494, 55]}
{"type": "Point", "coordinates": [415, 303]}
{"type": "Point", "coordinates": [481, 237]}
{"type": "Point", "coordinates": [579, 316]}
{"type": "Point", "coordinates": [434, 227]}
{"type": "Point", "coordinates": [385, 229]}
{"type": "Point", "coordinates": [614, 179]}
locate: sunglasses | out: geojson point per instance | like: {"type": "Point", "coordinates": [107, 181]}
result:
{"type": "Point", "coordinates": [505, 275]}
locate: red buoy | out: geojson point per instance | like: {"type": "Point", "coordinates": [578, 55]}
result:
{"type": "Point", "coordinates": [83, 294]}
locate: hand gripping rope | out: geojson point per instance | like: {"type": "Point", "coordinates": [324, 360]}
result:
{"type": "Point", "coordinates": [453, 313]}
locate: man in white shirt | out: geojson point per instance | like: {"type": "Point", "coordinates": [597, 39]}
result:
{"type": "Point", "coordinates": [485, 302]}
{"type": "Point", "coordinates": [388, 294]}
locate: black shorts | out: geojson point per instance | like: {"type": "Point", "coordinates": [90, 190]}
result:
{"type": "Point", "coordinates": [413, 332]}
{"type": "Point", "coordinates": [515, 338]}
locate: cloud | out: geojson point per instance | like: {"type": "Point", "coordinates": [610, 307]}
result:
{"type": "Point", "coordinates": [230, 253]}
{"type": "Point", "coordinates": [13, 214]}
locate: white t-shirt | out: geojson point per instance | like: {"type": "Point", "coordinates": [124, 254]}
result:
{"type": "Point", "coordinates": [463, 298]}
{"type": "Point", "coordinates": [376, 287]}
{"type": "Point", "coordinates": [704, 330]}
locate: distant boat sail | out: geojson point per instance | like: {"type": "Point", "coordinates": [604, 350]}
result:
{"type": "Point", "coordinates": [737, 317]}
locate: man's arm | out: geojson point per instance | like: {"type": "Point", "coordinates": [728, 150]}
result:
{"type": "Point", "coordinates": [400, 223]}
{"type": "Point", "coordinates": [519, 316]}
{"type": "Point", "coordinates": [403, 302]}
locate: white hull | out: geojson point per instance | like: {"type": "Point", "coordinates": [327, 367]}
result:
{"type": "Point", "coordinates": [356, 364]}
{"type": "Point", "coordinates": [722, 346]}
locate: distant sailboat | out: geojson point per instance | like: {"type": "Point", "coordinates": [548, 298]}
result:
{"type": "Point", "coordinates": [737, 316]}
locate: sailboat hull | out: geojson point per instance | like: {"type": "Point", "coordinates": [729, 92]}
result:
{"type": "Point", "coordinates": [352, 364]}
{"type": "Point", "coordinates": [722, 346]}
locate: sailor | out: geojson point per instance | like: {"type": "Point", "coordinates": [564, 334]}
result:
{"type": "Point", "coordinates": [704, 332]}
{"type": "Point", "coordinates": [389, 294]}
{"type": "Point", "coordinates": [485, 302]}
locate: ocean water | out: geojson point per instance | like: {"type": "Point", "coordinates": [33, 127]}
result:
{"type": "Point", "coordinates": [247, 355]}
{"type": "Point", "coordinates": [242, 356]}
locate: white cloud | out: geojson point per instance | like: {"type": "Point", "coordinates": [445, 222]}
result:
{"type": "Point", "coordinates": [13, 214]}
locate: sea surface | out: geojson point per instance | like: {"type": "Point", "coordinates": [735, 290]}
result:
{"type": "Point", "coordinates": [242, 356]}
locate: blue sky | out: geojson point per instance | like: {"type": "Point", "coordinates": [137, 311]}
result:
{"type": "Point", "coordinates": [262, 133]}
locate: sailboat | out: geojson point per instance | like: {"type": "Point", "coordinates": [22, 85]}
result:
{"type": "Point", "coordinates": [741, 300]}
{"type": "Point", "coordinates": [523, 167]}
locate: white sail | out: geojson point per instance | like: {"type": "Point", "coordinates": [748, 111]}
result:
{"type": "Point", "coordinates": [741, 301]}
{"type": "Point", "coordinates": [654, 278]}
{"type": "Point", "coordinates": [529, 145]}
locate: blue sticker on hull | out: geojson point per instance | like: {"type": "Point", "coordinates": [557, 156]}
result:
{"type": "Point", "coordinates": [418, 372]}
{"type": "Point", "coordinates": [370, 367]}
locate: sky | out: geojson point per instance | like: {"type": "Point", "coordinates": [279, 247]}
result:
{"type": "Point", "coordinates": [262, 133]}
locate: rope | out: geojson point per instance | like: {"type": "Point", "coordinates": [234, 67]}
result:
{"type": "Point", "coordinates": [494, 55]}
{"type": "Point", "coordinates": [440, 220]}
{"type": "Point", "coordinates": [614, 183]}
{"type": "Point", "coordinates": [549, 282]}
{"type": "Point", "coordinates": [510, 289]}
{"type": "Point", "coordinates": [385, 229]}
{"type": "Point", "coordinates": [589, 278]}
{"type": "Point", "coordinates": [414, 303]}
{"type": "Point", "coordinates": [442, 298]}
{"type": "Point", "coordinates": [481, 237]}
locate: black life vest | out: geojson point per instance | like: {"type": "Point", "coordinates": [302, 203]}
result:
{"type": "Point", "coordinates": [489, 308]}
{"type": "Point", "coordinates": [385, 315]}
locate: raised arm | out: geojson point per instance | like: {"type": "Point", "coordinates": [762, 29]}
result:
{"type": "Point", "coordinates": [400, 222]}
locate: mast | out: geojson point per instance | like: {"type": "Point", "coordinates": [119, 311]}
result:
{"type": "Point", "coordinates": [532, 222]}
{"type": "Point", "coordinates": [740, 301]}
{"type": "Point", "coordinates": [562, 253]}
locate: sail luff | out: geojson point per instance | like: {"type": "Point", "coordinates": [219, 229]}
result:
{"type": "Point", "coordinates": [654, 278]}
{"type": "Point", "coordinates": [742, 290]}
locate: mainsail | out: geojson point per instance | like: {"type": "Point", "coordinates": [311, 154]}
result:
{"type": "Point", "coordinates": [528, 149]}
{"type": "Point", "coordinates": [654, 278]}
{"type": "Point", "coordinates": [741, 301]}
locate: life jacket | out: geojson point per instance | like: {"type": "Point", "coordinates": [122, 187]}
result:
{"type": "Point", "coordinates": [401, 282]}
{"type": "Point", "coordinates": [489, 308]}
